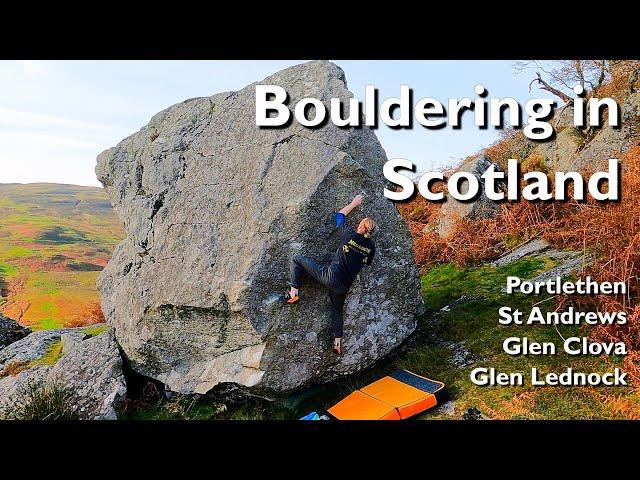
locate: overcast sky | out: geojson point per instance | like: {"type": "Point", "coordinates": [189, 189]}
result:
{"type": "Point", "coordinates": [57, 116]}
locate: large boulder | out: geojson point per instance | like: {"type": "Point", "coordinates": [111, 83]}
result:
{"type": "Point", "coordinates": [453, 210]}
{"type": "Point", "coordinates": [86, 362]}
{"type": "Point", "coordinates": [213, 208]}
{"type": "Point", "coordinates": [11, 331]}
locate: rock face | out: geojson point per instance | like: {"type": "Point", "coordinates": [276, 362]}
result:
{"type": "Point", "coordinates": [214, 207]}
{"type": "Point", "coordinates": [92, 369]}
{"type": "Point", "coordinates": [609, 142]}
{"type": "Point", "coordinates": [568, 151]}
{"type": "Point", "coordinates": [452, 210]}
{"type": "Point", "coordinates": [89, 366]}
{"type": "Point", "coordinates": [11, 331]}
{"type": "Point", "coordinates": [560, 154]}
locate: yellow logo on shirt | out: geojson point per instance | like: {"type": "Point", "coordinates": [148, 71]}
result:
{"type": "Point", "coordinates": [362, 249]}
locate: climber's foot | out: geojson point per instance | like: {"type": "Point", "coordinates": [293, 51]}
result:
{"type": "Point", "coordinates": [291, 296]}
{"type": "Point", "coordinates": [337, 346]}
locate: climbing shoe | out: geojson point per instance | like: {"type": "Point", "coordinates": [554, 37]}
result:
{"type": "Point", "coordinates": [337, 347]}
{"type": "Point", "coordinates": [289, 300]}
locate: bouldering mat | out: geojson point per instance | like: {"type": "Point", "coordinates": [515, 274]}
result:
{"type": "Point", "coordinates": [397, 396]}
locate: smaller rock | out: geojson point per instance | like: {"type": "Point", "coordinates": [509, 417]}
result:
{"type": "Point", "coordinates": [11, 331]}
{"type": "Point", "coordinates": [533, 247]}
{"type": "Point", "coordinates": [571, 263]}
{"type": "Point", "coordinates": [609, 141]}
{"type": "Point", "coordinates": [448, 408]}
{"type": "Point", "coordinates": [71, 339]}
{"type": "Point", "coordinates": [89, 367]}
{"type": "Point", "coordinates": [473, 414]}
{"type": "Point", "coordinates": [93, 371]}
{"type": "Point", "coordinates": [461, 356]}
{"type": "Point", "coordinates": [452, 210]}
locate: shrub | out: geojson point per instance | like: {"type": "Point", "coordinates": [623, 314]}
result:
{"type": "Point", "coordinates": [612, 232]}
{"type": "Point", "coordinates": [41, 401]}
{"type": "Point", "coordinates": [91, 315]}
{"type": "Point", "coordinates": [609, 230]}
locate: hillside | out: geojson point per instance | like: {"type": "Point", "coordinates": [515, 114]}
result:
{"type": "Point", "coordinates": [54, 240]}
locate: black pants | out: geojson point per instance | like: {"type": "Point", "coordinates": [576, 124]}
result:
{"type": "Point", "coordinates": [327, 276]}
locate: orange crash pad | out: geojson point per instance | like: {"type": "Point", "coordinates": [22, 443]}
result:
{"type": "Point", "coordinates": [397, 396]}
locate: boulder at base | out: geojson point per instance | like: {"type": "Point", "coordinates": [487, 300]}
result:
{"type": "Point", "coordinates": [453, 210]}
{"type": "Point", "coordinates": [87, 364]}
{"type": "Point", "coordinates": [11, 331]}
{"type": "Point", "coordinates": [214, 207]}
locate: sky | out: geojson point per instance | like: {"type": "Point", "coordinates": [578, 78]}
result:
{"type": "Point", "coordinates": [57, 116]}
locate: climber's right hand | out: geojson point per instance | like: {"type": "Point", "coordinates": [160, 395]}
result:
{"type": "Point", "coordinates": [357, 200]}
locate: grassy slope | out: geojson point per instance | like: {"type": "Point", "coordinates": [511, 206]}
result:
{"type": "Point", "coordinates": [473, 322]}
{"type": "Point", "coordinates": [54, 240]}
{"type": "Point", "coordinates": [476, 324]}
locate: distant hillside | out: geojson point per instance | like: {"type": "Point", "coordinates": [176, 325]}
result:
{"type": "Point", "coordinates": [54, 240]}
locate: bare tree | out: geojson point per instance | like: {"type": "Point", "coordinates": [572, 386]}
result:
{"type": "Point", "coordinates": [558, 77]}
{"type": "Point", "coordinates": [545, 86]}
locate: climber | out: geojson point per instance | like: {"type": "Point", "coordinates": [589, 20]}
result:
{"type": "Point", "coordinates": [356, 250]}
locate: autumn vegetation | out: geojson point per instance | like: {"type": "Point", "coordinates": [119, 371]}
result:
{"type": "Point", "coordinates": [608, 231]}
{"type": "Point", "coordinates": [54, 240]}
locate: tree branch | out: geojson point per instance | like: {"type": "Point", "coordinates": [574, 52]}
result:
{"type": "Point", "coordinates": [602, 75]}
{"type": "Point", "coordinates": [580, 72]}
{"type": "Point", "coordinates": [545, 86]}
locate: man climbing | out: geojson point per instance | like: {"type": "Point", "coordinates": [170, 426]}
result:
{"type": "Point", "coordinates": [356, 250]}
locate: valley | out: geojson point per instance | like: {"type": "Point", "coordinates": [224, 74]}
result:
{"type": "Point", "coordinates": [54, 241]}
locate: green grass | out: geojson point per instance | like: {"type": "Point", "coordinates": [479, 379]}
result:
{"type": "Point", "coordinates": [30, 219]}
{"type": "Point", "coordinates": [47, 307]}
{"type": "Point", "coordinates": [47, 324]}
{"type": "Point", "coordinates": [7, 270]}
{"type": "Point", "coordinates": [512, 241]}
{"type": "Point", "coordinates": [448, 282]}
{"type": "Point", "coordinates": [44, 284]}
{"type": "Point", "coordinates": [97, 330]}
{"type": "Point", "coordinates": [17, 252]}
{"type": "Point", "coordinates": [51, 357]}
